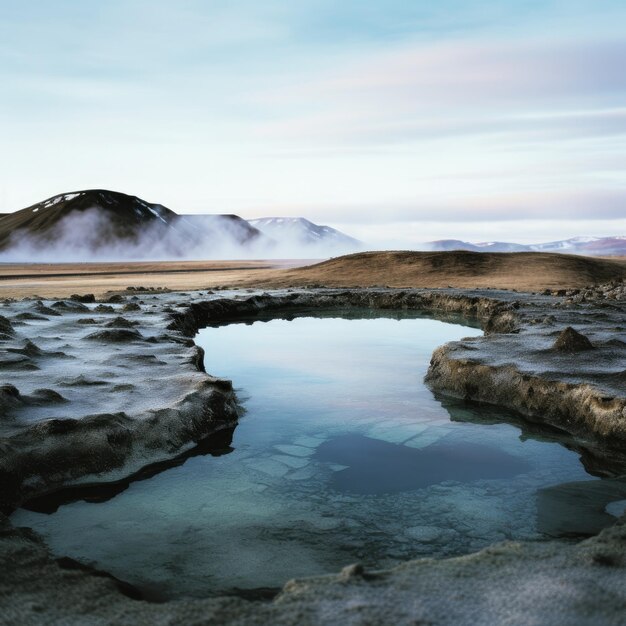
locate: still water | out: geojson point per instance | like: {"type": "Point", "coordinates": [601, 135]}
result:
{"type": "Point", "coordinates": [343, 455]}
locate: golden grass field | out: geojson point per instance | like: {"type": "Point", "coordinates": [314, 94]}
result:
{"type": "Point", "coordinates": [524, 271]}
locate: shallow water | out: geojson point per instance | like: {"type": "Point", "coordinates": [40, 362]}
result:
{"type": "Point", "coordinates": [343, 456]}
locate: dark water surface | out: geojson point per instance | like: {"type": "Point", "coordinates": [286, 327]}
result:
{"type": "Point", "coordinates": [375, 466]}
{"type": "Point", "coordinates": [343, 456]}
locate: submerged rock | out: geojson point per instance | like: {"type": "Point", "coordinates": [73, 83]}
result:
{"type": "Point", "coordinates": [120, 322]}
{"type": "Point", "coordinates": [6, 328]}
{"type": "Point", "coordinates": [123, 387]}
{"type": "Point", "coordinates": [104, 308]}
{"type": "Point", "coordinates": [80, 381]}
{"type": "Point", "coordinates": [28, 349]}
{"type": "Point", "coordinates": [9, 399]}
{"type": "Point", "coordinates": [40, 307]}
{"type": "Point", "coordinates": [20, 362]}
{"type": "Point", "coordinates": [117, 335]}
{"type": "Point", "coordinates": [46, 396]}
{"type": "Point", "coordinates": [26, 316]}
{"type": "Point", "coordinates": [373, 466]}
{"type": "Point", "coordinates": [144, 359]}
{"type": "Point", "coordinates": [88, 297]}
{"type": "Point", "coordinates": [72, 306]}
{"type": "Point", "coordinates": [572, 341]}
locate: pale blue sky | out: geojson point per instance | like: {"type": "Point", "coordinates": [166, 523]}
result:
{"type": "Point", "coordinates": [397, 121]}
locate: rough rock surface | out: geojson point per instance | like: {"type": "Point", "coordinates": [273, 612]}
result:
{"type": "Point", "coordinates": [50, 435]}
{"type": "Point", "coordinates": [513, 364]}
{"type": "Point", "coordinates": [53, 428]}
{"type": "Point", "coordinates": [551, 583]}
{"type": "Point", "coordinates": [571, 341]}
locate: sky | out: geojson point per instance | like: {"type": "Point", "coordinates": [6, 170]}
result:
{"type": "Point", "coordinates": [398, 122]}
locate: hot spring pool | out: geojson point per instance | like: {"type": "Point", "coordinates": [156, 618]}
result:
{"type": "Point", "coordinates": [343, 455]}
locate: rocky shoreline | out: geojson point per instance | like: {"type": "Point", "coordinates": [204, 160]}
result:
{"type": "Point", "coordinates": [518, 363]}
{"type": "Point", "coordinates": [524, 361]}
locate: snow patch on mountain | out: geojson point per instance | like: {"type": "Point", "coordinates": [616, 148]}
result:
{"type": "Point", "coordinates": [584, 245]}
{"type": "Point", "coordinates": [298, 236]}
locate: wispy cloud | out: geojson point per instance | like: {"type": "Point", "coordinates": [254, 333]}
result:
{"type": "Point", "coordinates": [541, 89]}
{"type": "Point", "coordinates": [355, 112]}
{"type": "Point", "coordinates": [448, 207]}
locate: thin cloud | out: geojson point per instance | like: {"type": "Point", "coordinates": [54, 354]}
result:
{"type": "Point", "coordinates": [423, 91]}
{"type": "Point", "coordinates": [358, 113]}
{"type": "Point", "coordinates": [499, 207]}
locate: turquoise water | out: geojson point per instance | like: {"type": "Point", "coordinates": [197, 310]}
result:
{"type": "Point", "coordinates": [343, 455]}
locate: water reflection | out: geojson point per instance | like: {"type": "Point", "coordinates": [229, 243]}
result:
{"type": "Point", "coordinates": [343, 455]}
{"type": "Point", "coordinates": [374, 466]}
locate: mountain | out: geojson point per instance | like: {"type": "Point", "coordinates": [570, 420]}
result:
{"type": "Point", "coordinates": [109, 225]}
{"type": "Point", "coordinates": [116, 216]}
{"type": "Point", "coordinates": [590, 246]}
{"type": "Point", "coordinates": [587, 246]}
{"type": "Point", "coordinates": [103, 225]}
{"type": "Point", "coordinates": [301, 233]}
{"type": "Point", "coordinates": [492, 246]}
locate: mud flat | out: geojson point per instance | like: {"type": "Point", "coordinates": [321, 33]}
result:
{"type": "Point", "coordinates": [557, 359]}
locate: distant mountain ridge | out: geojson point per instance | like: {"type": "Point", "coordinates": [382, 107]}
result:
{"type": "Point", "coordinates": [588, 246]}
{"type": "Point", "coordinates": [113, 225]}
{"type": "Point", "coordinates": [99, 224]}
{"type": "Point", "coordinates": [125, 215]}
{"type": "Point", "coordinates": [301, 231]}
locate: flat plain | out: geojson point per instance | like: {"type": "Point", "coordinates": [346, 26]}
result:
{"type": "Point", "coordinates": [524, 271]}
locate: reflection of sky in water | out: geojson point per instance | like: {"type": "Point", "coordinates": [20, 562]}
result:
{"type": "Point", "coordinates": [374, 368]}
{"type": "Point", "coordinates": [281, 506]}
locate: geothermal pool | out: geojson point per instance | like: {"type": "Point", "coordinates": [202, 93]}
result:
{"type": "Point", "coordinates": [343, 456]}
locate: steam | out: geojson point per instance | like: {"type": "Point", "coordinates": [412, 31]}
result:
{"type": "Point", "coordinates": [92, 236]}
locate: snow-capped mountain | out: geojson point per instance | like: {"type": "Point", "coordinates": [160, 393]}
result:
{"type": "Point", "coordinates": [97, 215]}
{"type": "Point", "coordinates": [592, 246]}
{"type": "Point", "coordinates": [589, 246]}
{"type": "Point", "coordinates": [108, 225]}
{"type": "Point", "coordinates": [491, 246]}
{"type": "Point", "coordinates": [300, 232]}
{"type": "Point", "coordinates": [98, 224]}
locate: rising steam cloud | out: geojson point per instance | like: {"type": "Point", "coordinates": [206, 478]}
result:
{"type": "Point", "coordinates": [91, 235]}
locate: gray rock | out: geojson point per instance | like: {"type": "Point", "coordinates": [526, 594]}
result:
{"type": "Point", "coordinates": [6, 328]}
{"type": "Point", "coordinates": [121, 322]}
{"type": "Point", "coordinates": [571, 341]}
{"type": "Point", "coordinates": [104, 308]}
{"type": "Point", "coordinates": [85, 298]}
{"type": "Point", "coordinates": [116, 335]}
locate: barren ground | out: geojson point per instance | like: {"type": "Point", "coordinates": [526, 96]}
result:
{"type": "Point", "coordinates": [59, 280]}
{"type": "Point", "coordinates": [525, 271]}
